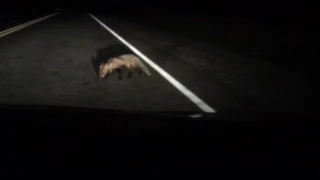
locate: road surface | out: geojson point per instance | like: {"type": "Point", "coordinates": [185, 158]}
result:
{"type": "Point", "coordinates": [50, 63]}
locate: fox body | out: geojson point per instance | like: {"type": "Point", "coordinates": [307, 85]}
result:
{"type": "Point", "coordinates": [126, 61]}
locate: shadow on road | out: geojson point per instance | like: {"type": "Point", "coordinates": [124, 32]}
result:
{"type": "Point", "coordinates": [103, 54]}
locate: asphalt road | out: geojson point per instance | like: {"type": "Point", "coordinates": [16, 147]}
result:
{"type": "Point", "coordinates": [51, 63]}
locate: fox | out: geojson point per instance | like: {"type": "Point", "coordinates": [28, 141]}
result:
{"type": "Point", "coordinates": [125, 61]}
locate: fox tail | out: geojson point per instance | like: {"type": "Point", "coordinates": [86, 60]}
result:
{"type": "Point", "coordinates": [144, 68]}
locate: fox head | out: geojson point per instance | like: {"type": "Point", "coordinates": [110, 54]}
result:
{"type": "Point", "coordinates": [109, 67]}
{"type": "Point", "coordinates": [103, 71]}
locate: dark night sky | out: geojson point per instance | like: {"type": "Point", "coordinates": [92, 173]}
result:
{"type": "Point", "coordinates": [249, 9]}
{"type": "Point", "coordinates": [225, 5]}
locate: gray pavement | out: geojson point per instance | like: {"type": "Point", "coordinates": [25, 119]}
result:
{"type": "Point", "coordinates": [51, 63]}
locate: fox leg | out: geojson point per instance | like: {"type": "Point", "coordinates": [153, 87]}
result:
{"type": "Point", "coordinates": [129, 74]}
{"type": "Point", "coordinates": [119, 73]}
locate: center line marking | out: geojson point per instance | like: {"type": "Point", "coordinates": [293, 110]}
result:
{"type": "Point", "coordinates": [195, 99]}
{"type": "Point", "coordinates": [21, 26]}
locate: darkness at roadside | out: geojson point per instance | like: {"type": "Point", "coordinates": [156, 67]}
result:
{"type": "Point", "coordinates": [273, 31]}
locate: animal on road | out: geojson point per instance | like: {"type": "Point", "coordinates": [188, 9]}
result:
{"type": "Point", "coordinates": [125, 61]}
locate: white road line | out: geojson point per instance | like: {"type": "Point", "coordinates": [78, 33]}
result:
{"type": "Point", "coordinates": [27, 23]}
{"type": "Point", "coordinates": [10, 29]}
{"type": "Point", "coordinates": [196, 100]}
{"type": "Point", "coordinates": [21, 26]}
